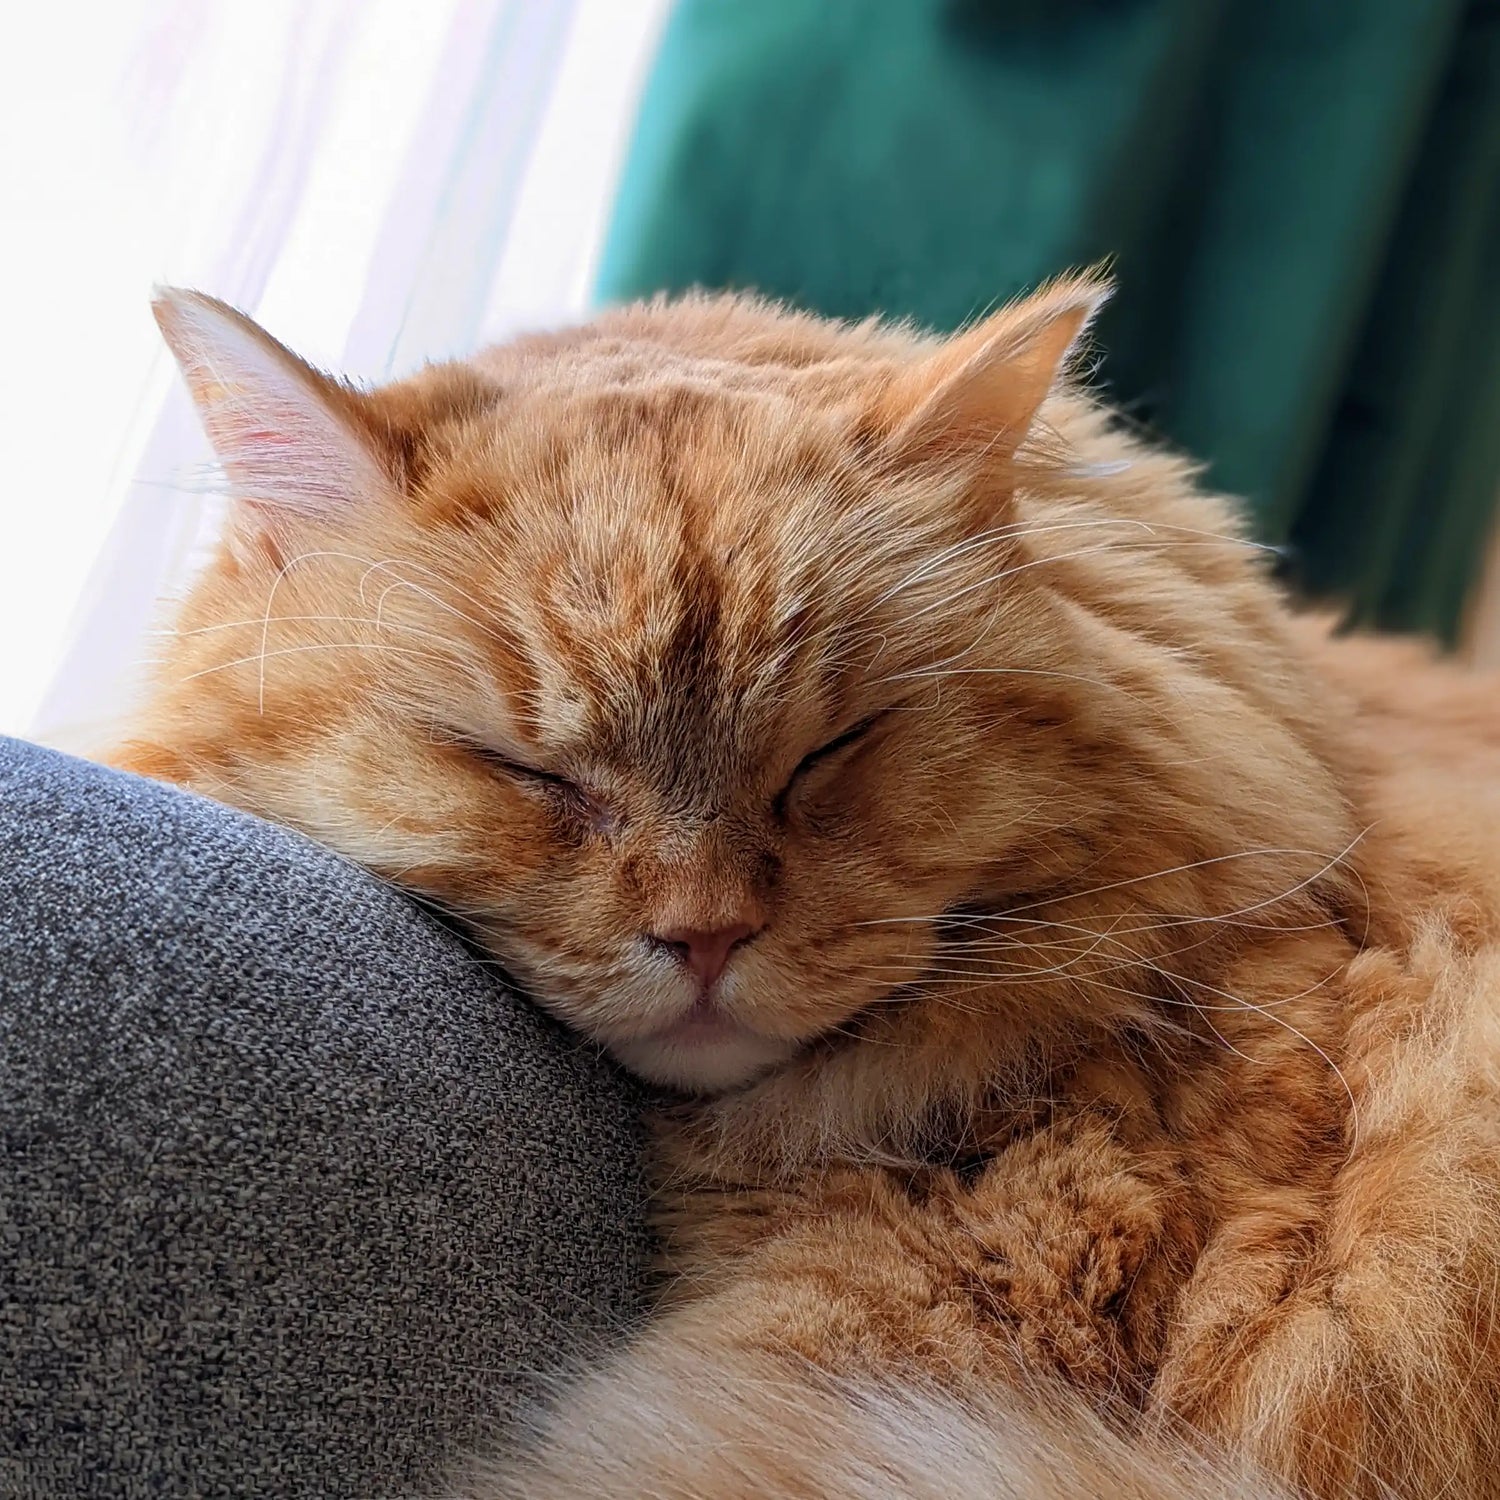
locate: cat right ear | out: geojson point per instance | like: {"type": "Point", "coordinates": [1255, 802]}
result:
{"type": "Point", "coordinates": [284, 433]}
{"type": "Point", "coordinates": [981, 389]}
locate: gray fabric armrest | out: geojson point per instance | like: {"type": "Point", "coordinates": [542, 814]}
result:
{"type": "Point", "coordinates": [295, 1192]}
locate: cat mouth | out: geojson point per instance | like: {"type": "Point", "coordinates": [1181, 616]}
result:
{"type": "Point", "coordinates": [704, 1025]}
{"type": "Point", "coordinates": [704, 1051]}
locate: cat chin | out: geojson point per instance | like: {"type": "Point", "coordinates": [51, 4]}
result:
{"type": "Point", "coordinates": [703, 1067]}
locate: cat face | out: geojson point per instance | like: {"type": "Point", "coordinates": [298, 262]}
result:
{"type": "Point", "coordinates": [681, 658]}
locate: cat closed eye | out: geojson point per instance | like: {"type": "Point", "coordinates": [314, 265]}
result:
{"type": "Point", "coordinates": [576, 800]}
{"type": "Point", "coordinates": [497, 760]}
{"type": "Point", "coordinates": [827, 752]}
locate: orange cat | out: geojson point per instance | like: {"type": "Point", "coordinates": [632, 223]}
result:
{"type": "Point", "coordinates": [1082, 973]}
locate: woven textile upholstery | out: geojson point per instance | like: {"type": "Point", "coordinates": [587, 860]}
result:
{"type": "Point", "coordinates": [296, 1195]}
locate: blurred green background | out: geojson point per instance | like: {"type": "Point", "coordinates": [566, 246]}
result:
{"type": "Point", "coordinates": [1300, 198]}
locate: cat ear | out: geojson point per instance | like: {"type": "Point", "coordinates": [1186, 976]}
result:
{"type": "Point", "coordinates": [285, 433]}
{"type": "Point", "coordinates": [981, 390]}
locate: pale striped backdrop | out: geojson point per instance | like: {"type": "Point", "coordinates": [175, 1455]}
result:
{"type": "Point", "coordinates": [378, 181]}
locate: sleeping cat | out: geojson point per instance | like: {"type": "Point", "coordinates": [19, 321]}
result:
{"type": "Point", "coordinates": [1080, 975]}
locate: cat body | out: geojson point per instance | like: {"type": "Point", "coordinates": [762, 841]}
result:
{"type": "Point", "coordinates": [1080, 974]}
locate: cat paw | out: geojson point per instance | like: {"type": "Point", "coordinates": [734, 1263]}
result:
{"type": "Point", "coordinates": [1069, 1236]}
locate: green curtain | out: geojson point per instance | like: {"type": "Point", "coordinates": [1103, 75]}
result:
{"type": "Point", "coordinates": [1301, 199]}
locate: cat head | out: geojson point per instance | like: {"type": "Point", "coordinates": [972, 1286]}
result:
{"type": "Point", "coordinates": [700, 660]}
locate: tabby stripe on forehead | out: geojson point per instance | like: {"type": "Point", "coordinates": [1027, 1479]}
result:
{"type": "Point", "coordinates": [691, 674]}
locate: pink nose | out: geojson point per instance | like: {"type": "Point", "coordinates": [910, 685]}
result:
{"type": "Point", "coordinates": [706, 953]}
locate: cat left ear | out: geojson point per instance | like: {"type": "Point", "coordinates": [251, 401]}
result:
{"type": "Point", "coordinates": [982, 389]}
{"type": "Point", "coordinates": [285, 433]}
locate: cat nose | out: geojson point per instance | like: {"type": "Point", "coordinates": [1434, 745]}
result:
{"type": "Point", "coordinates": [705, 951]}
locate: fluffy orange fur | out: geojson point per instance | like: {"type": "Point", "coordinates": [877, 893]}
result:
{"type": "Point", "coordinates": [1110, 993]}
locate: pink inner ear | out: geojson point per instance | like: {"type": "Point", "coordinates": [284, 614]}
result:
{"type": "Point", "coordinates": [272, 419]}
